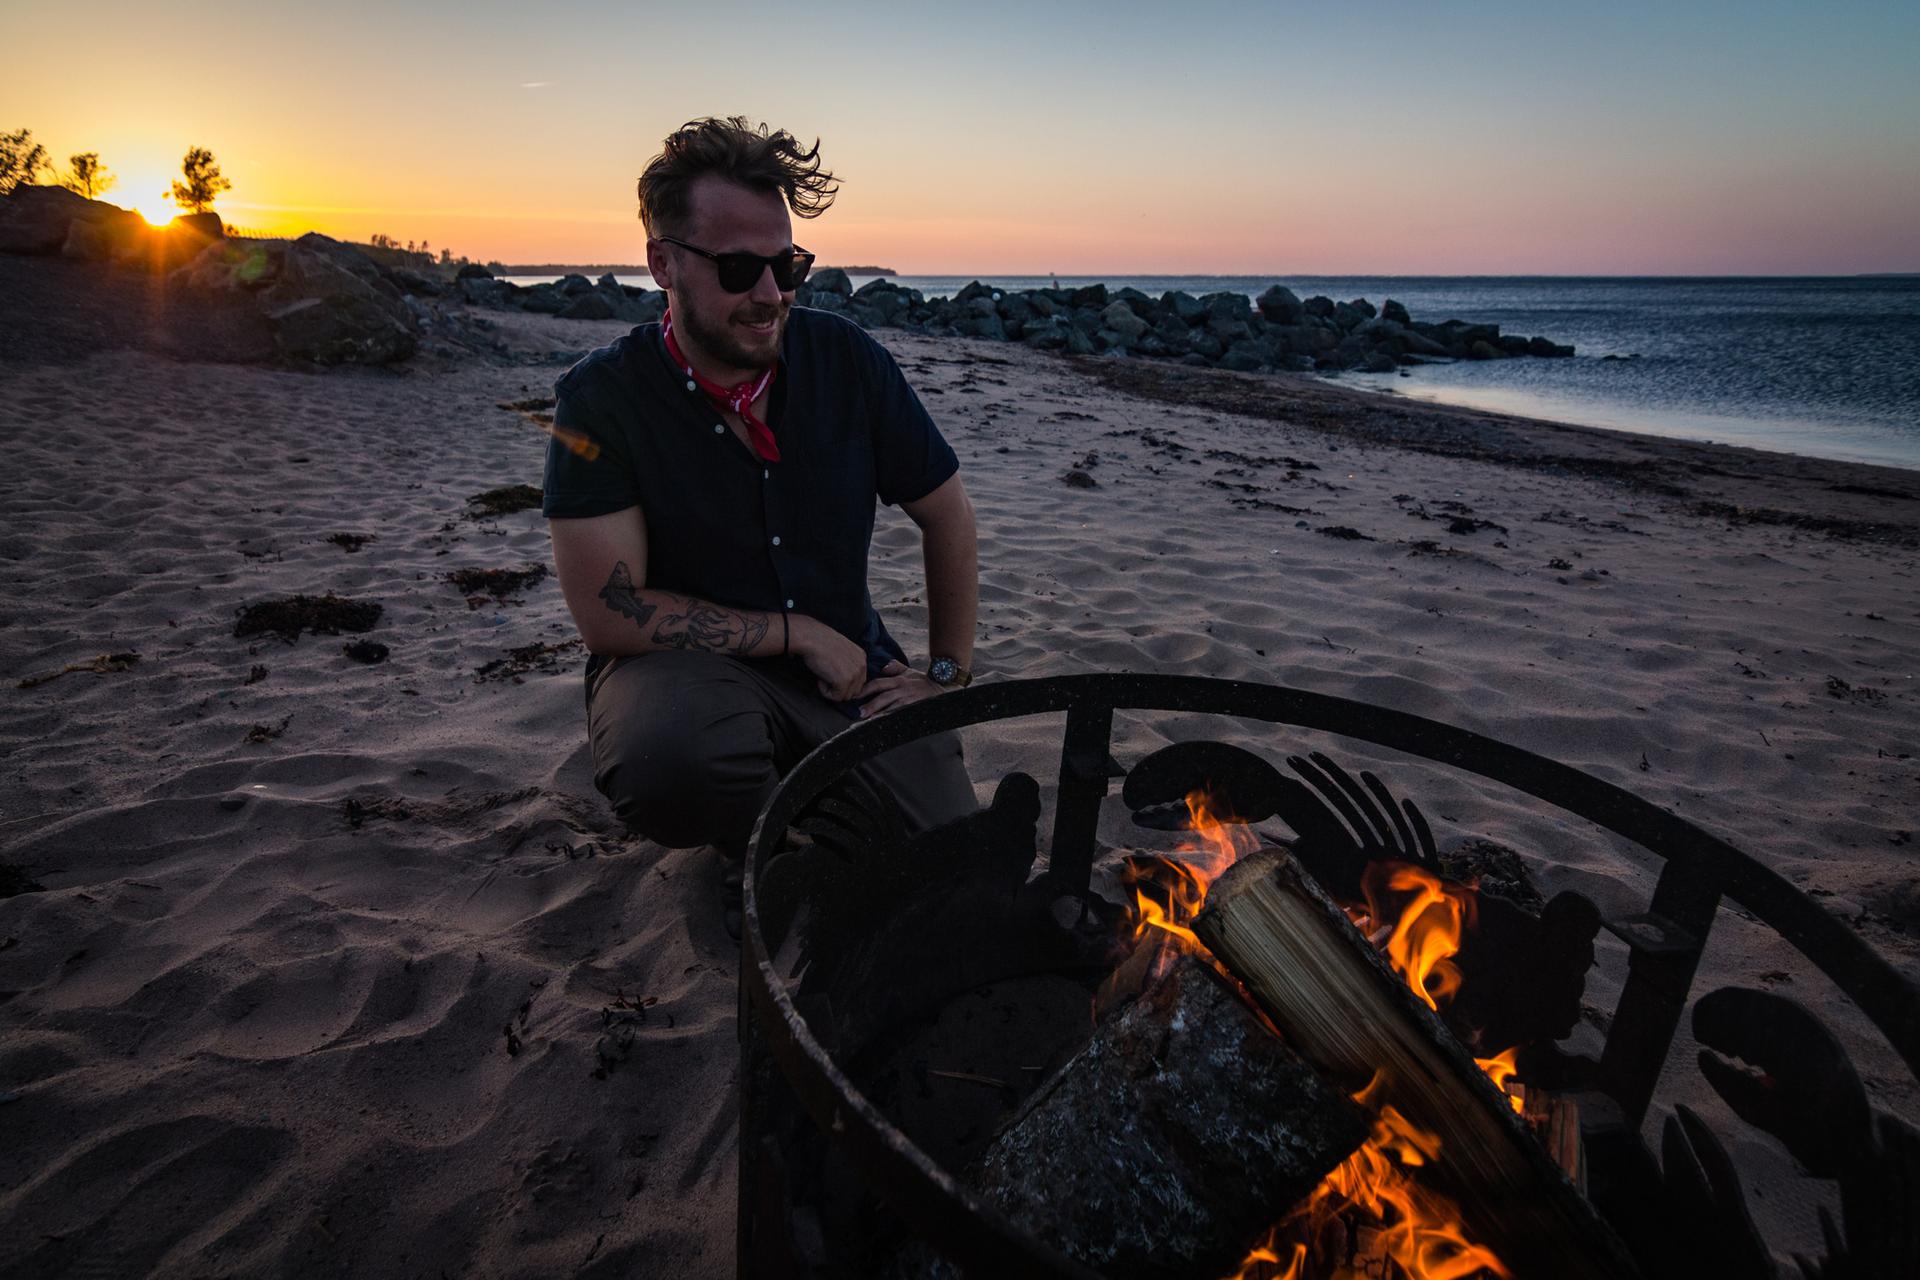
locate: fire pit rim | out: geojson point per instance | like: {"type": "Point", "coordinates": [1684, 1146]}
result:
{"type": "Point", "coordinates": [953, 1214]}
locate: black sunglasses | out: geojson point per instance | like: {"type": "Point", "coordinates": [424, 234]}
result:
{"type": "Point", "coordinates": [739, 272]}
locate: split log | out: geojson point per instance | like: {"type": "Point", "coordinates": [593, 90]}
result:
{"type": "Point", "coordinates": [1169, 1145]}
{"type": "Point", "coordinates": [1555, 1121]}
{"type": "Point", "coordinates": [1343, 1010]}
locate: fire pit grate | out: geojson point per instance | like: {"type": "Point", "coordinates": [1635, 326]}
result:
{"type": "Point", "coordinates": [830, 859]}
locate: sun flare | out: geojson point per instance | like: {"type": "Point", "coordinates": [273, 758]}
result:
{"type": "Point", "coordinates": [156, 213]}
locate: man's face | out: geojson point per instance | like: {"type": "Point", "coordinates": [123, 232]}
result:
{"type": "Point", "coordinates": [739, 332]}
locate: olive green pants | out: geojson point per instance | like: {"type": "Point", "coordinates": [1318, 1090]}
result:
{"type": "Point", "coordinates": [688, 746]}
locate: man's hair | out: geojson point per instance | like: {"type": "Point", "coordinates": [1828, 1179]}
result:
{"type": "Point", "coordinates": [732, 149]}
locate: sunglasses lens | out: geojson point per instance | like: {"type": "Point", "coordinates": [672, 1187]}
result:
{"type": "Point", "coordinates": [739, 272]}
{"type": "Point", "coordinates": [792, 271]}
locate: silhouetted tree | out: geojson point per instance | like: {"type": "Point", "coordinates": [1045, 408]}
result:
{"type": "Point", "coordinates": [20, 159]}
{"type": "Point", "coordinates": [86, 176]}
{"type": "Point", "coordinates": [446, 256]}
{"type": "Point", "coordinates": [204, 183]}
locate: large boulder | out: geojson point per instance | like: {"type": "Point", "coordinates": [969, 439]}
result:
{"type": "Point", "coordinates": [975, 325]}
{"type": "Point", "coordinates": [207, 226]}
{"type": "Point", "coordinates": [416, 284]}
{"type": "Point", "coordinates": [1394, 311]}
{"type": "Point", "coordinates": [1227, 315]}
{"type": "Point", "coordinates": [485, 291]}
{"type": "Point", "coordinates": [974, 290]}
{"type": "Point", "coordinates": [472, 271]}
{"type": "Point", "coordinates": [1280, 306]}
{"type": "Point", "coordinates": [1189, 309]}
{"type": "Point", "coordinates": [316, 308]}
{"type": "Point", "coordinates": [40, 219]}
{"type": "Point", "coordinates": [1137, 302]}
{"type": "Point", "coordinates": [1319, 305]}
{"type": "Point", "coordinates": [591, 305]}
{"type": "Point", "coordinates": [1120, 319]}
{"type": "Point", "coordinates": [1045, 334]}
{"type": "Point", "coordinates": [350, 259]}
{"type": "Point", "coordinates": [831, 280]}
{"type": "Point", "coordinates": [546, 299]}
{"type": "Point", "coordinates": [1093, 295]}
{"type": "Point", "coordinates": [103, 238]}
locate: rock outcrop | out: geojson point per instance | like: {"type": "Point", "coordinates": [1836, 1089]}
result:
{"type": "Point", "coordinates": [313, 300]}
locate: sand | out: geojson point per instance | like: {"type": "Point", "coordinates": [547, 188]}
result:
{"type": "Point", "coordinates": [344, 968]}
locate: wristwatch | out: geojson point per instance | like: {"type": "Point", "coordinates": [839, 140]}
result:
{"type": "Point", "coordinates": [949, 674]}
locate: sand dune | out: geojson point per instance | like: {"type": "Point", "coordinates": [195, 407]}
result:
{"type": "Point", "coordinates": [346, 968]}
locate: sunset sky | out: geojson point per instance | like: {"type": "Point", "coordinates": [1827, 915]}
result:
{"type": "Point", "coordinates": [1112, 138]}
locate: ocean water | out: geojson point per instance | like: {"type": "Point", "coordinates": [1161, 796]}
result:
{"type": "Point", "coordinates": [1823, 366]}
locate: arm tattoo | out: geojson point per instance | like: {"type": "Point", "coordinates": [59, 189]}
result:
{"type": "Point", "coordinates": [618, 593]}
{"type": "Point", "coordinates": [710, 627]}
{"type": "Point", "coordinates": [696, 625]}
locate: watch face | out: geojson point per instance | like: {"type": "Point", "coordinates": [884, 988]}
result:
{"type": "Point", "coordinates": [943, 670]}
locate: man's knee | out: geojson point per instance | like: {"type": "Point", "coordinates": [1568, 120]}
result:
{"type": "Point", "coordinates": [668, 789]}
{"type": "Point", "coordinates": [688, 765]}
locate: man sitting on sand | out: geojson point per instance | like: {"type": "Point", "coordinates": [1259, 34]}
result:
{"type": "Point", "coordinates": [710, 490]}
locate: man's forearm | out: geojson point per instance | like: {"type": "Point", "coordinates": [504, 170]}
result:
{"type": "Point", "coordinates": [644, 620]}
{"type": "Point", "coordinates": [953, 589]}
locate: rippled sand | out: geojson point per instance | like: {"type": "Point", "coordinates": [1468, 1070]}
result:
{"type": "Point", "coordinates": [333, 999]}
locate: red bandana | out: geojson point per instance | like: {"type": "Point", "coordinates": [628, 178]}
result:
{"type": "Point", "coordinates": [738, 398]}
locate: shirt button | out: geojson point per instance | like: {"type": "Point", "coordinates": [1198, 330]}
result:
{"type": "Point", "coordinates": [692, 385]}
{"type": "Point", "coordinates": [789, 604]}
{"type": "Point", "coordinates": [719, 428]}
{"type": "Point", "coordinates": [776, 539]}
{"type": "Point", "coordinates": [766, 475]}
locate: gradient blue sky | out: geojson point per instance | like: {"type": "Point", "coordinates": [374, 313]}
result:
{"type": "Point", "coordinates": [1076, 138]}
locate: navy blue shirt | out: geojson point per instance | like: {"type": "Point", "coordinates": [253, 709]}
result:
{"type": "Point", "coordinates": [721, 524]}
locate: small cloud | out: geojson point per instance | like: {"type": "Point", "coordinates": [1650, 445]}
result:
{"type": "Point", "coordinates": [536, 84]}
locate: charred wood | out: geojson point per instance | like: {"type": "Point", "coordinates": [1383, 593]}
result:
{"type": "Point", "coordinates": [1170, 1144]}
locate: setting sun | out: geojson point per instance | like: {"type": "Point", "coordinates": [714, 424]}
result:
{"type": "Point", "coordinates": [156, 213]}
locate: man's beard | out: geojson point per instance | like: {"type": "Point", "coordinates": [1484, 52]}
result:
{"type": "Point", "coordinates": [727, 345]}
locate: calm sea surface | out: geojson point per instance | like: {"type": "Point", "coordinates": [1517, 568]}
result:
{"type": "Point", "coordinates": [1826, 366]}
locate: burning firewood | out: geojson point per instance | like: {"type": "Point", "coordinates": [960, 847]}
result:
{"type": "Point", "coordinates": [1169, 1144]}
{"type": "Point", "coordinates": [1339, 1006]}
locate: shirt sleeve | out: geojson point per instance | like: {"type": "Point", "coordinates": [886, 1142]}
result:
{"type": "Point", "coordinates": [589, 466]}
{"type": "Point", "coordinates": [911, 457]}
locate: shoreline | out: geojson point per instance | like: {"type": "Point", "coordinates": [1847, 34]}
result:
{"type": "Point", "coordinates": [1849, 499]}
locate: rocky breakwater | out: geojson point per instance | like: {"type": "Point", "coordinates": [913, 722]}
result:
{"type": "Point", "coordinates": [571, 297]}
{"type": "Point", "coordinates": [1276, 331]}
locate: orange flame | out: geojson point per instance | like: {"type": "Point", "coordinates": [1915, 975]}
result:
{"type": "Point", "coordinates": [1184, 881]}
{"type": "Point", "coordinates": [1503, 1067]}
{"type": "Point", "coordinates": [1427, 929]}
{"type": "Point", "coordinates": [1418, 1229]}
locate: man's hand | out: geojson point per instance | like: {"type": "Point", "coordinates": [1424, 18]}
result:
{"type": "Point", "coordinates": [839, 666]}
{"type": "Point", "coordinates": [896, 686]}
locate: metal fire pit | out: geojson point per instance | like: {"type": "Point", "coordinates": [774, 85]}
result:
{"type": "Point", "coordinates": [796, 1091]}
